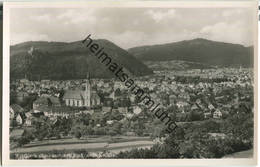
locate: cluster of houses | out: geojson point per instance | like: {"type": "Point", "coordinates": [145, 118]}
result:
{"type": "Point", "coordinates": [93, 95]}
{"type": "Point", "coordinates": [73, 102]}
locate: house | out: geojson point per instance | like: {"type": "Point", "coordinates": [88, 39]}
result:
{"type": "Point", "coordinates": [182, 104]}
{"type": "Point", "coordinates": [207, 115]}
{"type": "Point", "coordinates": [112, 95]}
{"type": "Point", "coordinates": [119, 85]}
{"type": "Point", "coordinates": [11, 113]}
{"type": "Point", "coordinates": [108, 102]}
{"type": "Point", "coordinates": [211, 107]}
{"type": "Point", "coordinates": [217, 135]}
{"type": "Point", "coordinates": [24, 80]}
{"type": "Point", "coordinates": [16, 133]}
{"type": "Point", "coordinates": [31, 117]}
{"type": "Point", "coordinates": [115, 110]}
{"type": "Point", "coordinates": [172, 99]}
{"type": "Point", "coordinates": [41, 101]}
{"type": "Point", "coordinates": [115, 94]}
{"type": "Point", "coordinates": [137, 110]}
{"type": "Point", "coordinates": [100, 83]}
{"type": "Point", "coordinates": [88, 112]}
{"type": "Point", "coordinates": [14, 110]}
{"type": "Point", "coordinates": [198, 101]}
{"type": "Point", "coordinates": [28, 114]}
{"type": "Point", "coordinates": [217, 114]}
{"type": "Point", "coordinates": [184, 95]}
{"type": "Point", "coordinates": [132, 98]}
{"type": "Point", "coordinates": [57, 111]}
{"type": "Point", "coordinates": [28, 121]}
{"type": "Point", "coordinates": [42, 109]}
{"type": "Point", "coordinates": [130, 134]}
{"type": "Point", "coordinates": [106, 109]}
{"type": "Point", "coordinates": [20, 96]}
{"type": "Point", "coordinates": [19, 119]}
{"type": "Point", "coordinates": [194, 107]}
{"type": "Point", "coordinates": [110, 122]}
{"type": "Point", "coordinates": [122, 109]}
{"type": "Point", "coordinates": [129, 115]}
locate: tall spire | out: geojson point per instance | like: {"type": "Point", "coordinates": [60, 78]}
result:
{"type": "Point", "coordinates": [88, 75]}
{"type": "Point", "coordinates": [87, 91]}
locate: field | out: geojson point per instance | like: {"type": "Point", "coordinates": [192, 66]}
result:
{"type": "Point", "coordinates": [93, 144]}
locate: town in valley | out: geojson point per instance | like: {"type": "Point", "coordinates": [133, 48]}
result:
{"type": "Point", "coordinates": [100, 118]}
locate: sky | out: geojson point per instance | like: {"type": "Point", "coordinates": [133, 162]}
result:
{"type": "Point", "coordinates": [130, 27]}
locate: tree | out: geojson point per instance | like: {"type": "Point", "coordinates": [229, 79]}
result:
{"type": "Point", "coordinates": [88, 131]}
{"type": "Point", "coordinates": [212, 126]}
{"type": "Point", "coordinates": [117, 127]}
{"type": "Point", "coordinates": [28, 101]}
{"type": "Point", "coordinates": [195, 116]}
{"type": "Point", "coordinates": [189, 150]}
{"type": "Point", "coordinates": [13, 123]}
{"type": "Point", "coordinates": [138, 153]}
{"type": "Point", "coordinates": [118, 92]}
{"type": "Point", "coordinates": [100, 131]}
{"type": "Point", "coordinates": [27, 137]}
{"type": "Point", "coordinates": [22, 141]}
{"type": "Point", "coordinates": [117, 116]}
{"type": "Point", "coordinates": [78, 134]}
{"type": "Point", "coordinates": [112, 132]}
{"type": "Point", "coordinates": [170, 148]}
{"type": "Point", "coordinates": [78, 129]}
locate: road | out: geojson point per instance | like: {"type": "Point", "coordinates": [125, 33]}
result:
{"type": "Point", "coordinates": [90, 147]}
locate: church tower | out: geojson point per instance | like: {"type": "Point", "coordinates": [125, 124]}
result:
{"type": "Point", "coordinates": [87, 91]}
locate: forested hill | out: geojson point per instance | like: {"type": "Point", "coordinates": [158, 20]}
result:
{"type": "Point", "coordinates": [60, 60]}
{"type": "Point", "coordinates": [197, 50]}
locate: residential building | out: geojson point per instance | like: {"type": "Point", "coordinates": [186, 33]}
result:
{"type": "Point", "coordinates": [217, 114]}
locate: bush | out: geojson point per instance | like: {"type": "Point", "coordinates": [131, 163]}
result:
{"type": "Point", "coordinates": [22, 141]}
{"type": "Point", "coordinates": [195, 116]}
{"type": "Point", "coordinates": [83, 152]}
{"type": "Point", "coordinates": [77, 134]}
{"type": "Point", "coordinates": [13, 156]}
{"type": "Point", "coordinates": [138, 153]}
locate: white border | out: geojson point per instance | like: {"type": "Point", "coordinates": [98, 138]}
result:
{"type": "Point", "coordinates": [120, 162]}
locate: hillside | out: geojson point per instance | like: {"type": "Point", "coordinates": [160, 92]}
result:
{"type": "Point", "coordinates": [60, 60]}
{"type": "Point", "coordinates": [197, 50]}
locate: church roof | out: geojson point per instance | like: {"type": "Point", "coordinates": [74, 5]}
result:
{"type": "Point", "coordinates": [74, 94]}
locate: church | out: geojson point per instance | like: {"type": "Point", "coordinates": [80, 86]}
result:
{"type": "Point", "coordinates": [82, 98]}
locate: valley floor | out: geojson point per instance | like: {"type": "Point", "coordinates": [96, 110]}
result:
{"type": "Point", "coordinates": [91, 145]}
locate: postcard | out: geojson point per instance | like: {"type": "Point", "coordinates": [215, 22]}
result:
{"type": "Point", "coordinates": [121, 83]}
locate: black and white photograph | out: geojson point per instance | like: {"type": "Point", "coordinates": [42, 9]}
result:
{"type": "Point", "coordinates": [162, 80]}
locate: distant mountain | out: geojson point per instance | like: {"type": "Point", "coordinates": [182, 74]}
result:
{"type": "Point", "coordinates": [197, 50]}
{"type": "Point", "coordinates": [60, 60]}
{"type": "Point", "coordinates": [176, 65]}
